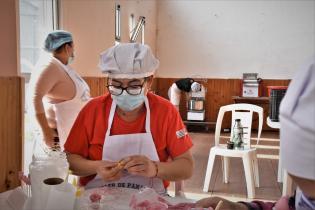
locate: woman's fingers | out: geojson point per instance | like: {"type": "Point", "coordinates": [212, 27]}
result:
{"type": "Point", "coordinates": [218, 203]}
{"type": "Point", "coordinates": [208, 202]}
{"type": "Point", "coordinates": [109, 164]}
{"type": "Point", "coordinates": [136, 165]}
{"type": "Point", "coordinates": [137, 168]}
{"type": "Point", "coordinates": [134, 161]}
{"type": "Point", "coordinates": [141, 165]}
{"type": "Point", "coordinates": [109, 171]}
{"type": "Point", "coordinates": [115, 176]}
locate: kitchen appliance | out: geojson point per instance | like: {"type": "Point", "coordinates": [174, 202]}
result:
{"type": "Point", "coordinates": [276, 94]}
{"type": "Point", "coordinates": [251, 85]}
{"type": "Point", "coordinates": [196, 105]}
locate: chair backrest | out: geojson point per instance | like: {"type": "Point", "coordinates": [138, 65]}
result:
{"type": "Point", "coordinates": [243, 112]}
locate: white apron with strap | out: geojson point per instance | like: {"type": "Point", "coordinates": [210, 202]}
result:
{"type": "Point", "coordinates": [66, 112]}
{"type": "Point", "coordinates": [120, 146]}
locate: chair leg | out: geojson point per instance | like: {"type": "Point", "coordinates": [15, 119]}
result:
{"type": "Point", "coordinates": [209, 171]}
{"type": "Point", "coordinates": [280, 170]}
{"type": "Point", "coordinates": [179, 189]}
{"type": "Point", "coordinates": [255, 169]}
{"type": "Point", "coordinates": [226, 169]}
{"type": "Point", "coordinates": [287, 184]}
{"type": "Point", "coordinates": [249, 176]}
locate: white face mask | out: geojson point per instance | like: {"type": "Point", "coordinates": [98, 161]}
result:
{"type": "Point", "coordinates": [128, 102]}
{"type": "Point", "coordinates": [70, 58]}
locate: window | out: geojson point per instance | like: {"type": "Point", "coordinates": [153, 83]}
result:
{"type": "Point", "coordinates": [37, 18]}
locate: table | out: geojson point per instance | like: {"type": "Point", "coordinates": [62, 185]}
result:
{"type": "Point", "coordinates": [199, 123]}
{"type": "Point", "coordinates": [118, 200]}
{"type": "Point", "coordinates": [251, 100]}
{"type": "Point", "coordinates": [282, 174]}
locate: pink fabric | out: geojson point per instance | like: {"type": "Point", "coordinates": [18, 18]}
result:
{"type": "Point", "coordinates": [148, 199]}
{"type": "Point", "coordinates": [24, 178]}
{"type": "Point", "coordinates": [95, 197]}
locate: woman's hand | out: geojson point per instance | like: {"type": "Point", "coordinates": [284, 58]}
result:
{"type": "Point", "coordinates": [218, 203]}
{"type": "Point", "coordinates": [140, 165]}
{"type": "Point", "coordinates": [109, 171]}
{"type": "Point", "coordinates": [48, 136]}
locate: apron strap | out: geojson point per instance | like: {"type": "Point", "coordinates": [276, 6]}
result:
{"type": "Point", "coordinates": [112, 113]}
{"type": "Point", "coordinates": [82, 88]}
{"type": "Point", "coordinates": [111, 117]}
{"type": "Point", "coordinates": [147, 118]}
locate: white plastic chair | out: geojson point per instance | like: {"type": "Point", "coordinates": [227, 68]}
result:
{"type": "Point", "coordinates": [249, 155]}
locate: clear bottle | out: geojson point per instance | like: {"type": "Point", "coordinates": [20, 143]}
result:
{"type": "Point", "coordinates": [237, 137]}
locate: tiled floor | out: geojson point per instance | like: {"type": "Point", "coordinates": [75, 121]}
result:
{"type": "Point", "coordinates": [268, 149]}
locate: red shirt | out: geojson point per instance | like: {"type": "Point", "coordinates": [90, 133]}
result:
{"type": "Point", "coordinates": [87, 135]}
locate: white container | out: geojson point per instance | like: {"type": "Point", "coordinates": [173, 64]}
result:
{"type": "Point", "coordinates": [250, 90]}
{"type": "Point", "coordinates": [61, 196]}
{"type": "Point", "coordinates": [196, 116]}
{"type": "Point", "coordinates": [52, 165]}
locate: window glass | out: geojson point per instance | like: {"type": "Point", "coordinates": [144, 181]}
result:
{"type": "Point", "coordinates": [37, 18]}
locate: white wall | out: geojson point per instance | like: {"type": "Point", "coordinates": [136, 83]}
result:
{"type": "Point", "coordinates": [92, 23]}
{"type": "Point", "coordinates": [223, 39]}
{"type": "Point", "coordinates": [9, 38]}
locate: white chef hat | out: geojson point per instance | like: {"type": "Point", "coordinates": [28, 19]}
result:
{"type": "Point", "coordinates": [195, 87]}
{"type": "Point", "coordinates": [297, 120]}
{"type": "Point", "coordinates": [128, 60]}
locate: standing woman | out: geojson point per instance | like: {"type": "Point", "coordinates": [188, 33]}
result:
{"type": "Point", "coordinates": [57, 90]}
{"type": "Point", "coordinates": [182, 85]}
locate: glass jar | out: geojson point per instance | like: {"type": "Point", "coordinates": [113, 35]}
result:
{"type": "Point", "coordinates": [46, 163]}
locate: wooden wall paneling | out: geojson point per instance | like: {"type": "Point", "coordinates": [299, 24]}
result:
{"type": "Point", "coordinates": [11, 131]}
{"type": "Point", "coordinates": [219, 93]}
{"type": "Point", "coordinates": [271, 82]}
{"type": "Point", "coordinates": [97, 85]}
{"type": "Point", "coordinates": [154, 84]}
{"type": "Point", "coordinates": [162, 86]}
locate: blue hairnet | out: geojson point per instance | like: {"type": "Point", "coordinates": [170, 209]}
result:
{"type": "Point", "coordinates": [56, 39]}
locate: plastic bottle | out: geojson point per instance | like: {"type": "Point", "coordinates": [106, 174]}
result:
{"type": "Point", "coordinates": [237, 137]}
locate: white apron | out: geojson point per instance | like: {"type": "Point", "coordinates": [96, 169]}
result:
{"type": "Point", "coordinates": [66, 112]}
{"type": "Point", "coordinates": [120, 146]}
